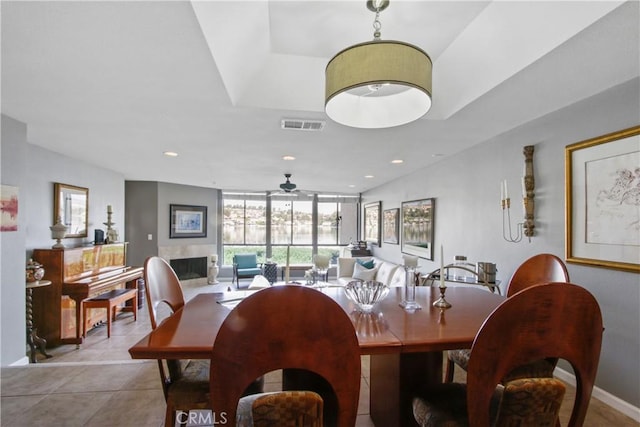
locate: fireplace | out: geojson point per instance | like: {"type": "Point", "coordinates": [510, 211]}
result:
{"type": "Point", "coordinates": [189, 268]}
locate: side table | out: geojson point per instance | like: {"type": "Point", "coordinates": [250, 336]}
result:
{"type": "Point", "coordinates": [32, 337]}
{"type": "Point", "coordinates": [270, 271]}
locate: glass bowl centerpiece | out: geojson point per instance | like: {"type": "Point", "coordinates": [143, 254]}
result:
{"type": "Point", "coordinates": [366, 294]}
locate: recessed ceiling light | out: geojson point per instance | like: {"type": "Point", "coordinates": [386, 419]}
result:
{"type": "Point", "coordinates": [170, 154]}
{"type": "Point", "coordinates": [437, 155]}
{"type": "Point", "coordinates": [397, 161]}
{"type": "Point", "coordinates": [352, 186]}
{"type": "Point", "coordinates": [288, 158]}
{"type": "Point", "coordinates": [368, 176]}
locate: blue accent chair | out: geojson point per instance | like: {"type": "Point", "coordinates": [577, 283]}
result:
{"type": "Point", "coordinates": [245, 266]}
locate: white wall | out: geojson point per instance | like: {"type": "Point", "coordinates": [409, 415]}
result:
{"type": "Point", "coordinates": [468, 217]}
{"type": "Point", "coordinates": [12, 261]}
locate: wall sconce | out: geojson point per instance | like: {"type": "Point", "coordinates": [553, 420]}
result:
{"type": "Point", "coordinates": [525, 228]}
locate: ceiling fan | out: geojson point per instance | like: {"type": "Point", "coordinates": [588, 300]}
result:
{"type": "Point", "coordinates": [287, 187]}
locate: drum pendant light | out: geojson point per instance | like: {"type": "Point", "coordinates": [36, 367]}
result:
{"type": "Point", "coordinates": [378, 84]}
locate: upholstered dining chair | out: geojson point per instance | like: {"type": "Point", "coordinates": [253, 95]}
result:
{"type": "Point", "coordinates": [185, 383]}
{"type": "Point", "coordinates": [245, 266]}
{"type": "Point", "coordinates": [287, 408]}
{"type": "Point", "coordinates": [540, 268]}
{"type": "Point", "coordinates": [286, 327]}
{"type": "Point", "coordinates": [563, 321]}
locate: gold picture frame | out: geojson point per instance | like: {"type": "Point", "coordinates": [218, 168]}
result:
{"type": "Point", "coordinates": [71, 205]}
{"type": "Point", "coordinates": [602, 205]}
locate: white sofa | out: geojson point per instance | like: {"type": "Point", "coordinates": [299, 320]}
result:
{"type": "Point", "coordinates": [386, 272]}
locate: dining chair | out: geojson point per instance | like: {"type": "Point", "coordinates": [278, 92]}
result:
{"type": "Point", "coordinates": [540, 268]}
{"type": "Point", "coordinates": [287, 327]}
{"type": "Point", "coordinates": [561, 322]}
{"type": "Point", "coordinates": [287, 408]}
{"type": "Point", "coordinates": [185, 383]}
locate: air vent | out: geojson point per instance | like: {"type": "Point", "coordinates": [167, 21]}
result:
{"type": "Point", "coordinates": [301, 124]}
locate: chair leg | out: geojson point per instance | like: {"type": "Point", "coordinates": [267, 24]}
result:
{"type": "Point", "coordinates": [448, 376]}
{"type": "Point", "coordinates": [168, 417]}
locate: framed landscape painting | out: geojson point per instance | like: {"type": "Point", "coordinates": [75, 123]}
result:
{"type": "Point", "coordinates": [390, 226]}
{"type": "Point", "coordinates": [188, 221]}
{"type": "Point", "coordinates": [603, 201]}
{"type": "Point", "coordinates": [372, 222]}
{"type": "Point", "coordinates": [417, 228]}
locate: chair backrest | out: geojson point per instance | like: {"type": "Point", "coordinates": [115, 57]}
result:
{"type": "Point", "coordinates": [161, 286]}
{"type": "Point", "coordinates": [286, 327]}
{"type": "Point", "coordinates": [541, 268]}
{"type": "Point", "coordinates": [321, 261]}
{"type": "Point", "coordinates": [245, 260]}
{"type": "Point", "coordinates": [542, 321]}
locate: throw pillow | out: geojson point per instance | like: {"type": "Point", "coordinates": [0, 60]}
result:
{"type": "Point", "coordinates": [366, 264]}
{"type": "Point", "coordinates": [362, 273]}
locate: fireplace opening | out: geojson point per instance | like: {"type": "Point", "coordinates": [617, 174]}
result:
{"type": "Point", "coordinates": [189, 268]}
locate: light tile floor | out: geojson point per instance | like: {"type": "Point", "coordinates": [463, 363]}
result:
{"type": "Point", "coordinates": [100, 385]}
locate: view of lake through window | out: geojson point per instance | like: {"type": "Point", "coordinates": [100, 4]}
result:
{"type": "Point", "coordinates": [248, 221]}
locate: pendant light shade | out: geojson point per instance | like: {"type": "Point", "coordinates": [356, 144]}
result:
{"type": "Point", "coordinates": [378, 84]}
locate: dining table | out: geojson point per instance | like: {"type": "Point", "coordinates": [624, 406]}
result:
{"type": "Point", "coordinates": [405, 347]}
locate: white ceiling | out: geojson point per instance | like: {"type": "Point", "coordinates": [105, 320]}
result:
{"type": "Point", "coordinates": [117, 83]}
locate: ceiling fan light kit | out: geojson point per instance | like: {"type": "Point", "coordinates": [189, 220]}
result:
{"type": "Point", "coordinates": [378, 84]}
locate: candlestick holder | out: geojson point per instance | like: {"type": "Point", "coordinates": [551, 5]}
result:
{"type": "Point", "coordinates": [409, 303]}
{"type": "Point", "coordinates": [112, 233]}
{"type": "Point", "coordinates": [442, 302]}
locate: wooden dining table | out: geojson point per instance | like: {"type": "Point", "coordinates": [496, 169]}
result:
{"type": "Point", "coordinates": [405, 348]}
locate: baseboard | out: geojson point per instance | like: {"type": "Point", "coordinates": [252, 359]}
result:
{"type": "Point", "coordinates": [21, 362]}
{"type": "Point", "coordinates": [605, 397]}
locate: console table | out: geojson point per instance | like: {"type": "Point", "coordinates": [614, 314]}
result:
{"type": "Point", "coordinates": [360, 252]}
{"type": "Point", "coordinates": [432, 278]}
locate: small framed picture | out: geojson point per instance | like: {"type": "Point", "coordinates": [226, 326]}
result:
{"type": "Point", "coordinates": [188, 221]}
{"type": "Point", "coordinates": [391, 226]}
{"type": "Point", "coordinates": [372, 223]}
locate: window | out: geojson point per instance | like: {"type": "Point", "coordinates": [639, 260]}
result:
{"type": "Point", "coordinates": [311, 224]}
{"type": "Point", "coordinates": [245, 225]}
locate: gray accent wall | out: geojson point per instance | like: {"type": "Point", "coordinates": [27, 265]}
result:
{"type": "Point", "coordinates": [148, 213]}
{"type": "Point", "coordinates": [468, 217]}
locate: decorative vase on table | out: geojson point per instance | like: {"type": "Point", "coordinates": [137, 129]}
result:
{"type": "Point", "coordinates": [34, 271]}
{"type": "Point", "coordinates": [58, 231]}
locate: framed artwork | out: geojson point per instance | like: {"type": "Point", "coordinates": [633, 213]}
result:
{"type": "Point", "coordinates": [71, 205]}
{"type": "Point", "coordinates": [390, 226]}
{"type": "Point", "coordinates": [188, 221]}
{"type": "Point", "coordinates": [417, 228]}
{"type": "Point", "coordinates": [8, 208]}
{"type": "Point", "coordinates": [372, 222]}
{"type": "Point", "coordinates": [602, 178]}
